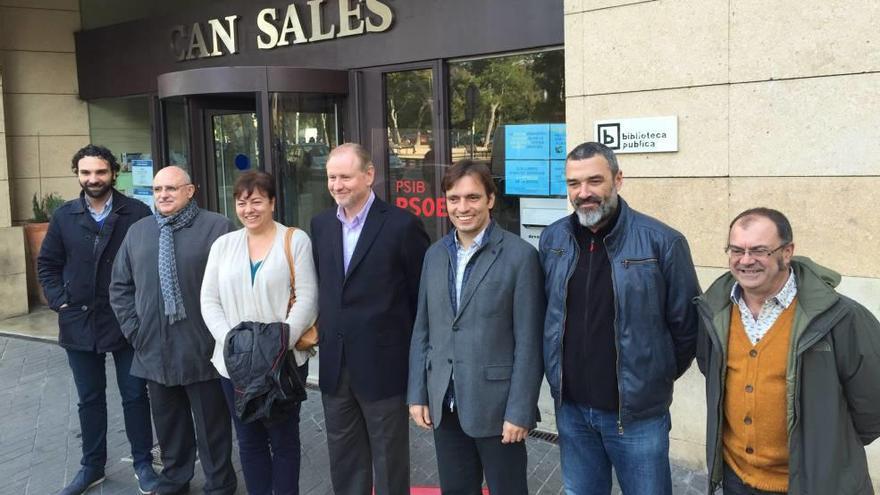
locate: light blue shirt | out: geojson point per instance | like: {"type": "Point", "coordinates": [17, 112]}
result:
{"type": "Point", "coordinates": [351, 230]}
{"type": "Point", "coordinates": [463, 257]}
{"type": "Point", "coordinates": [99, 216]}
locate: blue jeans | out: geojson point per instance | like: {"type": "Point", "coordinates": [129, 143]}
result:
{"type": "Point", "coordinates": [270, 456]}
{"type": "Point", "coordinates": [590, 444]}
{"type": "Point", "coordinates": [89, 374]}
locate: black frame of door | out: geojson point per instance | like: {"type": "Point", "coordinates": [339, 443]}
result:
{"type": "Point", "coordinates": [224, 89]}
{"type": "Point", "coordinates": [371, 96]}
{"type": "Point", "coordinates": [203, 109]}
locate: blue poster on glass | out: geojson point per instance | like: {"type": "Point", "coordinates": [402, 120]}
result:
{"type": "Point", "coordinates": [527, 142]}
{"type": "Point", "coordinates": [527, 177]}
{"type": "Point", "coordinates": [142, 173]}
{"type": "Point", "coordinates": [528, 151]}
{"type": "Point", "coordinates": [557, 142]}
{"type": "Point", "coordinates": [145, 195]}
{"type": "Point", "coordinates": [557, 178]}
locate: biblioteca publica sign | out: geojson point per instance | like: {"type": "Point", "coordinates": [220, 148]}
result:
{"type": "Point", "coordinates": [282, 27]}
{"type": "Point", "coordinates": [639, 135]}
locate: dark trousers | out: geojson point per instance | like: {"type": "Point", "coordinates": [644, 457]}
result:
{"type": "Point", "coordinates": [734, 485]}
{"type": "Point", "coordinates": [270, 455]}
{"type": "Point", "coordinates": [366, 437]}
{"type": "Point", "coordinates": [90, 375]}
{"type": "Point", "coordinates": [462, 461]}
{"type": "Point", "coordinates": [187, 416]}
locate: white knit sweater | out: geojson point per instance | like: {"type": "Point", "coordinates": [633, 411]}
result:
{"type": "Point", "coordinates": [228, 298]}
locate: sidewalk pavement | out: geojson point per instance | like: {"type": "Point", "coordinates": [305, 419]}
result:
{"type": "Point", "coordinates": [40, 444]}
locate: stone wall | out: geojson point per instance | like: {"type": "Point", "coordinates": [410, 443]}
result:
{"type": "Point", "coordinates": [46, 122]}
{"type": "Point", "coordinates": [42, 123]}
{"type": "Point", "coordinates": [777, 106]}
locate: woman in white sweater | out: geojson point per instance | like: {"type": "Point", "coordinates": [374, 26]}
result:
{"type": "Point", "coordinates": [247, 279]}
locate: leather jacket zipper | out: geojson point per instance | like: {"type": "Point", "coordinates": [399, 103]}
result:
{"type": "Point", "coordinates": [571, 269]}
{"type": "Point", "coordinates": [617, 340]}
{"type": "Point", "coordinates": [641, 261]}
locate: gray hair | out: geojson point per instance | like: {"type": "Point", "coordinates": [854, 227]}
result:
{"type": "Point", "coordinates": [359, 151]}
{"type": "Point", "coordinates": [590, 149]}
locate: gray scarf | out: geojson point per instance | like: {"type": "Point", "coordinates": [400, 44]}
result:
{"type": "Point", "coordinates": [170, 286]}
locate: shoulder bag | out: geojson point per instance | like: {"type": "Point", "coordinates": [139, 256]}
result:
{"type": "Point", "coordinates": [308, 341]}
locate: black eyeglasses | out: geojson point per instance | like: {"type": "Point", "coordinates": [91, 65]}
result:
{"type": "Point", "coordinates": [762, 253]}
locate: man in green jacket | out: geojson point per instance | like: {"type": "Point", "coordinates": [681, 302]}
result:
{"type": "Point", "coordinates": [792, 370]}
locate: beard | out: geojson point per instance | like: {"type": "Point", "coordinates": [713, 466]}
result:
{"type": "Point", "coordinates": [598, 215]}
{"type": "Point", "coordinates": [96, 192]}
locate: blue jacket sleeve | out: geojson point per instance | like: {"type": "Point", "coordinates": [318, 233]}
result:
{"type": "Point", "coordinates": [682, 287]}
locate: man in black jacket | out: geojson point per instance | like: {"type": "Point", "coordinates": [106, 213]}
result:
{"type": "Point", "coordinates": [368, 255]}
{"type": "Point", "coordinates": [74, 267]}
{"type": "Point", "coordinates": [620, 329]}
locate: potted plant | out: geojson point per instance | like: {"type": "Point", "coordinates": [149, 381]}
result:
{"type": "Point", "coordinates": [35, 232]}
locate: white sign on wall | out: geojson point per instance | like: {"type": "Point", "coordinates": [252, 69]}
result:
{"type": "Point", "coordinates": [641, 135]}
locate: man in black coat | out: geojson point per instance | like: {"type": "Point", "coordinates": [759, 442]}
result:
{"type": "Point", "coordinates": [74, 266]}
{"type": "Point", "coordinates": [368, 256]}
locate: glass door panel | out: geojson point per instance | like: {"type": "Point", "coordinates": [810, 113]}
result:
{"type": "Point", "coordinates": [305, 127]}
{"type": "Point", "coordinates": [485, 95]}
{"type": "Point", "coordinates": [413, 174]}
{"type": "Point", "coordinates": [176, 134]}
{"type": "Point", "coordinates": [236, 149]}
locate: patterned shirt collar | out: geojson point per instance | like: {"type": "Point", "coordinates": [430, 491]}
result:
{"type": "Point", "coordinates": [360, 217]}
{"type": "Point", "coordinates": [783, 298]}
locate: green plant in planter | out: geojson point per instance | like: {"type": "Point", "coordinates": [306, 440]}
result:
{"type": "Point", "coordinates": [44, 207]}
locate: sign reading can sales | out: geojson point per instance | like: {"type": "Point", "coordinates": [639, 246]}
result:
{"type": "Point", "coordinates": [301, 22]}
{"type": "Point", "coordinates": [639, 135]}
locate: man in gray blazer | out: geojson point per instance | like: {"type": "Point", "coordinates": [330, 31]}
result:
{"type": "Point", "coordinates": [475, 360]}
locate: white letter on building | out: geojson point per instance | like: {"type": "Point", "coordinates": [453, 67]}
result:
{"type": "Point", "coordinates": [346, 14]}
{"type": "Point", "coordinates": [267, 28]}
{"type": "Point", "coordinates": [197, 42]}
{"type": "Point", "coordinates": [292, 25]}
{"type": "Point", "coordinates": [384, 13]}
{"type": "Point", "coordinates": [218, 31]}
{"type": "Point", "coordinates": [317, 34]}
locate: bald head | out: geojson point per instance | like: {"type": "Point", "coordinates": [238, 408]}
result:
{"type": "Point", "coordinates": [172, 172]}
{"type": "Point", "coordinates": [172, 190]}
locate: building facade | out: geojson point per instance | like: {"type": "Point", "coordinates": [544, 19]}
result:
{"type": "Point", "coordinates": [772, 104]}
{"type": "Point", "coordinates": [776, 104]}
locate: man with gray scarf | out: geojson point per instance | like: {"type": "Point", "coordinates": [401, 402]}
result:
{"type": "Point", "coordinates": [161, 318]}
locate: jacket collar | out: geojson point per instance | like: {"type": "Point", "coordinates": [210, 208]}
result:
{"type": "Point", "coordinates": [815, 285]}
{"type": "Point", "coordinates": [79, 206]}
{"type": "Point", "coordinates": [372, 225]}
{"type": "Point", "coordinates": [815, 297]}
{"type": "Point", "coordinates": [450, 242]}
{"type": "Point", "coordinates": [618, 232]}
{"type": "Point", "coordinates": [488, 253]}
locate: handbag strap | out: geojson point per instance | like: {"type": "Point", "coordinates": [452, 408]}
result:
{"type": "Point", "coordinates": [287, 240]}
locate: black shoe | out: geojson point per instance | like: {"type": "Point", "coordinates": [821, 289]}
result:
{"type": "Point", "coordinates": [182, 490]}
{"type": "Point", "coordinates": [84, 479]}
